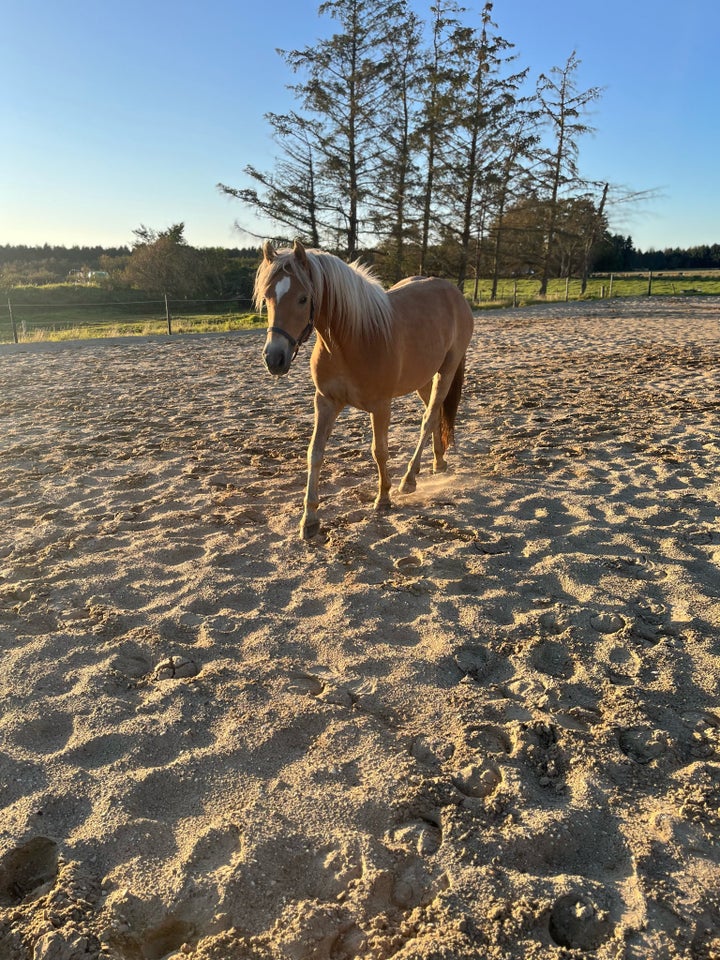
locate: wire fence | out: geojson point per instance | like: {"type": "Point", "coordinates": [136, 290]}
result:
{"type": "Point", "coordinates": [29, 317]}
{"type": "Point", "coordinates": [35, 319]}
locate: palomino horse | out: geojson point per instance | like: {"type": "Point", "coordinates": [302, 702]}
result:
{"type": "Point", "coordinates": [371, 346]}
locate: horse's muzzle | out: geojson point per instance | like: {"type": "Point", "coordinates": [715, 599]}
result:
{"type": "Point", "coordinates": [277, 358]}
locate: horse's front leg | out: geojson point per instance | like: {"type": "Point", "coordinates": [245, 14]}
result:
{"type": "Point", "coordinates": [380, 426]}
{"type": "Point", "coordinates": [326, 413]}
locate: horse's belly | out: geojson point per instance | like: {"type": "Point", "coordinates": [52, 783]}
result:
{"type": "Point", "coordinates": [413, 376]}
{"type": "Point", "coordinates": [356, 380]}
{"type": "Point", "coordinates": [419, 359]}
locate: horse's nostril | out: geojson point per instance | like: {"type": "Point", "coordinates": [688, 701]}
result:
{"type": "Point", "coordinates": [275, 362]}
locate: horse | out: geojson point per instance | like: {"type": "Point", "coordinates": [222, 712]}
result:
{"type": "Point", "coordinates": [372, 345]}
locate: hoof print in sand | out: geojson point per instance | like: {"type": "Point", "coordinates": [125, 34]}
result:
{"type": "Point", "coordinates": [415, 887]}
{"type": "Point", "coordinates": [607, 622]}
{"type": "Point", "coordinates": [176, 668]}
{"type": "Point", "coordinates": [26, 871]}
{"type": "Point", "coordinates": [417, 836]}
{"type": "Point", "coordinates": [431, 750]}
{"type": "Point", "coordinates": [325, 685]}
{"type": "Point", "coordinates": [474, 662]}
{"type": "Point", "coordinates": [551, 657]}
{"type": "Point", "coordinates": [542, 751]}
{"type": "Point", "coordinates": [410, 564]}
{"type": "Point", "coordinates": [489, 738]}
{"type": "Point", "coordinates": [478, 780]}
{"type": "Point", "coordinates": [166, 938]}
{"type": "Point", "coordinates": [642, 744]}
{"type": "Point", "coordinates": [577, 924]}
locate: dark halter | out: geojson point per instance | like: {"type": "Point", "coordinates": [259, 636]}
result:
{"type": "Point", "coordinates": [304, 333]}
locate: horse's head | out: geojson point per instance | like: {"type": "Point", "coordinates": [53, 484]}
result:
{"type": "Point", "coordinates": [283, 282]}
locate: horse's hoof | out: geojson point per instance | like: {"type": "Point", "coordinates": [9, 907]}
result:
{"type": "Point", "coordinates": [407, 485]}
{"type": "Point", "coordinates": [383, 506]}
{"type": "Point", "coordinates": [440, 467]}
{"type": "Point", "coordinates": [309, 529]}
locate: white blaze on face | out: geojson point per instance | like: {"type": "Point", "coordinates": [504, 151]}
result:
{"type": "Point", "coordinates": [281, 288]}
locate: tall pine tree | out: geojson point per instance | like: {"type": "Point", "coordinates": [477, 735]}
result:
{"type": "Point", "coordinates": [292, 195]}
{"type": "Point", "coordinates": [342, 89]}
{"type": "Point", "coordinates": [562, 108]}
{"type": "Point", "coordinates": [393, 207]}
{"type": "Point", "coordinates": [486, 114]}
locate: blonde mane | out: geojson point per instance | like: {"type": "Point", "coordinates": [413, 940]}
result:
{"type": "Point", "coordinates": [350, 295]}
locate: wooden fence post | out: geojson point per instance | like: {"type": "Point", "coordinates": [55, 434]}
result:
{"type": "Point", "coordinates": [12, 321]}
{"type": "Point", "coordinates": [567, 288]}
{"type": "Point", "coordinates": [649, 290]}
{"type": "Point", "coordinates": [167, 316]}
{"type": "Point", "coordinates": [611, 283]}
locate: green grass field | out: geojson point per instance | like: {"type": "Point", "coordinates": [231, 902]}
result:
{"type": "Point", "coordinates": [69, 312]}
{"type": "Point", "coordinates": [599, 286]}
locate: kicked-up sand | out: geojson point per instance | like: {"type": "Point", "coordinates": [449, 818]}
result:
{"type": "Point", "coordinates": [485, 725]}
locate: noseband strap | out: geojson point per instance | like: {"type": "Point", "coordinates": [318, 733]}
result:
{"type": "Point", "coordinates": [304, 333]}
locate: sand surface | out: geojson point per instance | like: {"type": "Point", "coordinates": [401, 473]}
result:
{"type": "Point", "coordinates": [485, 725]}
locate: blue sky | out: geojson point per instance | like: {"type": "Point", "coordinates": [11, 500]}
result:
{"type": "Point", "coordinates": [119, 114]}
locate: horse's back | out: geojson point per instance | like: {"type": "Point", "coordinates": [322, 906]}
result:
{"type": "Point", "coordinates": [423, 305]}
{"type": "Point", "coordinates": [406, 280]}
{"type": "Point", "coordinates": [432, 324]}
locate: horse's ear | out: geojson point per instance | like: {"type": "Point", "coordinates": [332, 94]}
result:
{"type": "Point", "coordinates": [300, 255]}
{"type": "Point", "coordinates": [269, 252]}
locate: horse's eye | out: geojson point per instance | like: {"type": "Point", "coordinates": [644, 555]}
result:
{"type": "Point", "coordinates": [302, 299]}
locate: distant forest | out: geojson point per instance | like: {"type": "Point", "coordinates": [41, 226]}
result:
{"type": "Point", "coordinates": [157, 263]}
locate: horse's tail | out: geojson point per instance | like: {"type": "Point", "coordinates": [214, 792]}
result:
{"type": "Point", "coordinates": [450, 405]}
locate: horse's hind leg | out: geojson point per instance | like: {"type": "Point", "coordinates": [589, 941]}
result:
{"type": "Point", "coordinates": [326, 413]}
{"type": "Point", "coordinates": [439, 464]}
{"type": "Point", "coordinates": [430, 422]}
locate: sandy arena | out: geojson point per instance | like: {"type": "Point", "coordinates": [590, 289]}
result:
{"type": "Point", "coordinates": [485, 725]}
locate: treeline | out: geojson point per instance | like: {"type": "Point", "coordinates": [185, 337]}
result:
{"type": "Point", "coordinates": [158, 262]}
{"type": "Point", "coordinates": [162, 262]}
{"type": "Point", "coordinates": [21, 265]}
{"type": "Point", "coordinates": [617, 253]}
{"type": "Point", "coordinates": [703, 257]}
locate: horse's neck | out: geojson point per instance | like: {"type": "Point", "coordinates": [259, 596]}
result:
{"type": "Point", "coordinates": [366, 320]}
{"type": "Point", "coordinates": [323, 328]}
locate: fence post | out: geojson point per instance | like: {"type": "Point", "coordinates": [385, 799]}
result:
{"type": "Point", "coordinates": [167, 316]}
{"type": "Point", "coordinates": [515, 296]}
{"type": "Point", "coordinates": [12, 321]}
{"type": "Point", "coordinates": [611, 283]}
{"type": "Point", "coordinates": [567, 288]}
{"type": "Point", "coordinates": [649, 292]}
